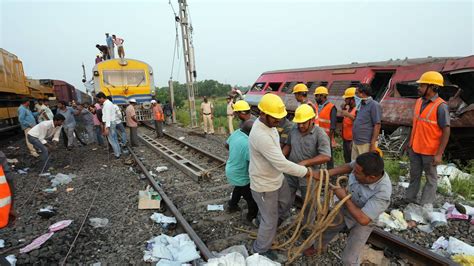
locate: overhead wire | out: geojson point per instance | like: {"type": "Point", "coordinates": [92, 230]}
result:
{"type": "Point", "coordinates": [176, 41]}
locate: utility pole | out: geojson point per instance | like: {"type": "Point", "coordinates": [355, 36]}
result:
{"type": "Point", "coordinates": [173, 115]}
{"type": "Point", "coordinates": [188, 51]}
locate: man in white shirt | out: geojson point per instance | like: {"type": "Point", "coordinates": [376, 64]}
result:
{"type": "Point", "coordinates": [45, 113]}
{"type": "Point", "coordinates": [45, 130]}
{"type": "Point", "coordinates": [230, 114]}
{"type": "Point", "coordinates": [119, 126]}
{"type": "Point", "coordinates": [109, 116]}
{"type": "Point", "coordinates": [267, 165]}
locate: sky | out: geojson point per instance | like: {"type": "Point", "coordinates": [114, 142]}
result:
{"type": "Point", "coordinates": [234, 41]}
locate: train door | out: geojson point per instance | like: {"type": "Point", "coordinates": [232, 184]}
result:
{"type": "Point", "coordinates": [380, 83]}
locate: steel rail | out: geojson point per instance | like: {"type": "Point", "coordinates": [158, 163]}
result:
{"type": "Point", "coordinates": [205, 252]}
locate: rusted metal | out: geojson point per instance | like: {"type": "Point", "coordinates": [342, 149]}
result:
{"type": "Point", "coordinates": [205, 252]}
{"type": "Point", "coordinates": [399, 247]}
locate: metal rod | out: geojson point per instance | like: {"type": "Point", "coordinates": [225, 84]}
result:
{"type": "Point", "coordinates": [206, 253]}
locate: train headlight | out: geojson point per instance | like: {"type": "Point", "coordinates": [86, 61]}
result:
{"type": "Point", "coordinates": [151, 72]}
{"type": "Point", "coordinates": [96, 73]}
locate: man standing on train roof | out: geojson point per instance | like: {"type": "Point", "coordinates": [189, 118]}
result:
{"type": "Point", "coordinates": [110, 45]}
{"type": "Point", "coordinates": [39, 134]}
{"type": "Point", "coordinates": [119, 43]}
{"type": "Point", "coordinates": [230, 114]}
{"type": "Point", "coordinates": [109, 117]}
{"type": "Point", "coordinates": [69, 124]}
{"type": "Point", "coordinates": [104, 50]}
{"type": "Point", "coordinates": [98, 59]}
{"type": "Point", "coordinates": [327, 117]}
{"type": "Point", "coordinates": [158, 117]}
{"type": "Point", "coordinates": [207, 109]}
{"type": "Point", "coordinates": [366, 126]}
{"type": "Point", "coordinates": [349, 113]}
{"type": "Point", "coordinates": [242, 111]}
{"type": "Point", "coordinates": [300, 91]}
{"type": "Point", "coordinates": [267, 164]}
{"type": "Point", "coordinates": [307, 145]}
{"type": "Point", "coordinates": [371, 190]}
{"type": "Point", "coordinates": [132, 122]}
{"type": "Point", "coordinates": [429, 137]}
{"type": "Point", "coordinates": [27, 122]}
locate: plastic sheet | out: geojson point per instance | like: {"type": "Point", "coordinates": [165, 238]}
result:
{"type": "Point", "coordinates": [215, 207]}
{"type": "Point", "coordinates": [98, 222]}
{"type": "Point", "coordinates": [259, 260]}
{"type": "Point", "coordinates": [160, 169]}
{"type": "Point", "coordinates": [162, 219]}
{"type": "Point", "coordinates": [456, 246]}
{"type": "Point", "coordinates": [61, 179]}
{"type": "Point", "coordinates": [37, 242]}
{"type": "Point", "coordinates": [170, 250]}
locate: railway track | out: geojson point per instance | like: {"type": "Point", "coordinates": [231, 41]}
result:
{"type": "Point", "coordinates": [189, 197]}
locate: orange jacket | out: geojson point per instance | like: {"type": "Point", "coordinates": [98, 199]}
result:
{"type": "Point", "coordinates": [425, 133]}
{"type": "Point", "coordinates": [5, 199]}
{"type": "Point", "coordinates": [325, 117]}
{"type": "Point", "coordinates": [158, 113]}
{"type": "Point", "coordinates": [347, 125]}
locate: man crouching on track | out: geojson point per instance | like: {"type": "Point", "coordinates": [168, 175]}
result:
{"type": "Point", "coordinates": [371, 190]}
{"type": "Point", "coordinates": [237, 171]}
{"type": "Point", "coordinates": [267, 165]}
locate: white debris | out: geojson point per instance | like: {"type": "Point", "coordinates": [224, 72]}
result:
{"type": "Point", "coordinates": [98, 222]}
{"type": "Point", "coordinates": [452, 172]}
{"type": "Point", "coordinates": [452, 246]}
{"type": "Point", "coordinates": [414, 212]}
{"type": "Point", "coordinates": [440, 243]}
{"type": "Point", "coordinates": [2, 243]}
{"type": "Point", "coordinates": [397, 217]}
{"type": "Point", "coordinates": [437, 219]}
{"type": "Point", "coordinates": [181, 138]}
{"type": "Point", "coordinates": [163, 219]}
{"type": "Point", "coordinates": [257, 259]}
{"type": "Point", "coordinates": [160, 169]}
{"type": "Point", "coordinates": [212, 207]}
{"type": "Point", "coordinates": [45, 174]}
{"type": "Point", "coordinates": [445, 184]}
{"type": "Point", "coordinates": [234, 259]}
{"type": "Point", "coordinates": [11, 259]}
{"type": "Point", "coordinates": [403, 184]}
{"type": "Point", "coordinates": [50, 190]}
{"type": "Point", "coordinates": [12, 161]}
{"type": "Point", "coordinates": [168, 250]}
{"type": "Point", "coordinates": [61, 179]}
{"type": "Point", "coordinates": [394, 221]}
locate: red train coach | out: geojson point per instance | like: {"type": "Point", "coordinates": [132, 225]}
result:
{"type": "Point", "coordinates": [394, 86]}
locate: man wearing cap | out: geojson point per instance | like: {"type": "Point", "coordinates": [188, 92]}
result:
{"type": "Point", "coordinates": [207, 109]}
{"type": "Point", "coordinates": [349, 114]}
{"type": "Point", "coordinates": [300, 91]}
{"type": "Point", "coordinates": [230, 114]}
{"type": "Point", "coordinates": [307, 145]}
{"type": "Point", "coordinates": [327, 117]}
{"type": "Point", "coordinates": [267, 165]}
{"type": "Point", "coordinates": [158, 117]}
{"type": "Point", "coordinates": [132, 122]}
{"type": "Point", "coordinates": [242, 111]}
{"type": "Point", "coordinates": [429, 137]}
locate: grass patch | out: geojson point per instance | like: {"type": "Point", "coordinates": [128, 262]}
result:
{"type": "Point", "coordinates": [463, 187]}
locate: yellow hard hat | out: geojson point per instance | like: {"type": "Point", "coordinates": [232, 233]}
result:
{"type": "Point", "coordinates": [300, 88]}
{"type": "Point", "coordinates": [431, 77]}
{"type": "Point", "coordinates": [241, 106]}
{"type": "Point", "coordinates": [321, 90]}
{"type": "Point", "coordinates": [349, 93]}
{"type": "Point", "coordinates": [272, 105]}
{"type": "Point", "coordinates": [379, 151]}
{"type": "Point", "coordinates": [303, 113]}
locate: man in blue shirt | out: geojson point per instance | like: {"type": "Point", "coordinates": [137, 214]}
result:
{"type": "Point", "coordinates": [110, 45]}
{"type": "Point", "coordinates": [366, 127]}
{"type": "Point", "coordinates": [27, 122]}
{"type": "Point", "coordinates": [237, 170]}
{"type": "Point", "coordinates": [69, 124]}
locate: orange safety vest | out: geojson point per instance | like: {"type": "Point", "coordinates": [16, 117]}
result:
{"type": "Point", "coordinates": [347, 125]}
{"type": "Point", "coordinates": [426, 134]}
{"type": "Point", "coordinates": [325, 117]}
{"type": "Point", "coordinates": [5, 199]}
{"type": "Point", "coordinates": [315, 108]}
{"type": "Point", "coordinates": [158, 113]}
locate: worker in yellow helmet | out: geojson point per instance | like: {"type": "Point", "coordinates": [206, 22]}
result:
{"type": "Point", "coordinates": [429, 137]}
{"type": "Point", "coordinates": [300, 91]}
{"type": "Point", "coordinates": [307, 145]}
{"type": "Point", "coordinates": [267, 164]}
{"type": "Point", "coordinates": [349, 113]}
{"type": "Point", "coordinates": [242, 111]}
{"type": "Point", "coordinates": [327, 116]}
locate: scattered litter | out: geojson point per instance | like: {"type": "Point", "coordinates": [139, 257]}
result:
{"type": "Point", "coordinates": [453, 213]}
{"type": "Point", "coordinates": [464, 209]}
{"type": "Point", "coordinates": [438, 219]}
{"type": "Point", "coordinates": [142, 151]}
{"type": "Point", "coordinates": [59, 225]}
{"type": "Point", "coordinates": [370, 256]}
{"type": "Point", "coordinates": [160, 169]}
{"type": "Point", "coordinates": [45, 174]}
{"type": "Point", "coordinates": [452, 246]}
{"type": "Point", "coordinates": [98, 222]}
{"type": "Point", "coordinates": [23, 171]}
{"type": "Point", "coordinates": [61, 179]}
{"type": "Point", "coordinates": [241, 249]}
{"type": "Point", "coordinates": [215, 207]}
{"type": "Point", "coordinates": [445, 185]}
{"type": "Point", "coordinates": [162, 219]}
{"type": "Point", "coordinates": [260, 260]}
{"type": "Point", "coordinates": [104, 165]}
{"type": "Point", "coordinates": [151, 173]}
{"type": "Point", "coordinates": [414, 212]}
{"type": "Point", "coordinates": [181, 138]}
{"type": "Point", "coordinates": [37, 242]}
{"type": "Point", "coordinates": [47, 212]}
{"type": "Point", "coordinates": [2, 243]}
{"type": "Point", "coordinates": [148, 199]}
{"type": "Point", "coordinates": [170, 250]}
{"type": "Point", "coordinates": [142, 176]}
{"type": "Point", "coordinates": [12, 148]}
{"type": "Point", "coordinates": [463, 260]}
{"type": "Point", "coordinates": [50, 190]}
{"type": "Point", "coordinates": [404, 184]}
{"type": "Point", "coordinates": [11, 259]}
{"type": "Point", "coordinates": [234, 258]}
{"type": "Point", "coordinates": [393, 221]}
{"type": "Point", "coordinates": [452, 172]}
{"type": "Point", "coordinates": [69, 189]}
{"type": "Point", "coordinates": [66, 167]}
{"type": "Point", "coordinates": [94, 149]}
{"type": "Point", "coordinates": [12, 161]}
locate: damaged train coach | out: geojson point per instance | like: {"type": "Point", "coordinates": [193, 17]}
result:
{"type": "Point", "coordinates": [394, 85]}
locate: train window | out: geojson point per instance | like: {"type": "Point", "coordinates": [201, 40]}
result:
{"type": "Point", "coordinates": [124, 78]}
{"type": "Point", "coordinates": [258, 86]}
{"type": "Point", "coordinates": [312, 85]}
{"type": "Point", "coordinates": [287, 88]}
{"type": "Point", "coordinates": [274, 86]}
{"type": "Point", "coordinates": [407, 90]}
{"type": "Point", "coordinates": [338, 87]}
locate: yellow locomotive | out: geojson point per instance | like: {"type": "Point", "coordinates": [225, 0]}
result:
{"type": "Point", "coordinates": [124, 79]}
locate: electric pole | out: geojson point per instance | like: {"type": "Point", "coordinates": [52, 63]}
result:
{"type": "Point", "coordinates": [188, 51]}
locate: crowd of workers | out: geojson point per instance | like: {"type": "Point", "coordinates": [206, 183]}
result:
{"type": "Point", "coordinates": [270, 156]}
{"type": "Point", "coordinates": [107, 51]}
